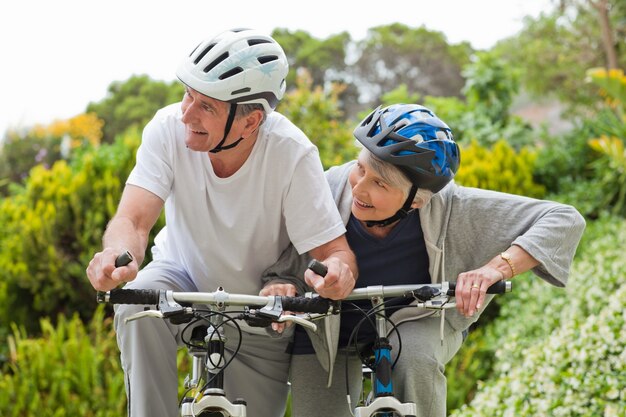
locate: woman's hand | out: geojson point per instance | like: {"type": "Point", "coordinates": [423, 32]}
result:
{"type": "Point", "coordinates": [471, 288]}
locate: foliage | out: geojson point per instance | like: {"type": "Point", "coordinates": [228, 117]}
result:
{"type": "Point", "coordinates": [490, 86]}
{"type": "Point", "coordinates": [132, 103]}
{"type": "Point", "coordinates": [317, 113]}
{"type": "Point", "coordinates": [323, 59]}
{"type": "Point", "coordinates": [84, 129]}
{"type": "Point", "coordinates": [554, 51]}
{"type": "Point", "coordinates": [422, 59]}
{"type": "Point", "coordinates": [52, 228]}
{"type": "Point", "coordinates": [484, 116]}
{"type": "Point", "coordinates": [499, 169]}
{"type": "Point", "coordinates": [613, 88]}
{"type": "Point", "coordinates": [562, 160]}
{"type": "Point", "coordinates": [610, 167]}
{"type": "Point", "coordinates": [561, 352]}
{"type": "Point", "coordinates": [45, 145]}
{"type": "Point", "coordinates": [72, 370]}
{"type": "Point", "coordinates": [610, 171]}
{"type": "Point", "coordinates": [587, 166]}
{"type": "Point", "coordinates": [389, 56]}
{"type": "Point", "coordinates": [603, 186]}
{"type": "Point", "coordinates": [399, 94]}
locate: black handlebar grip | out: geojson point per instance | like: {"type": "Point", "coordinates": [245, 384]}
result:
{"type": "Point", "coordinates": [318, 267]}
{"type": "Point", "coordinates": [122, 296]}
{"type": "Point", "coordinates": [308, 305]}
{"type": "Point", "coordinates": [123, 259]}
{"type": "Point", "coordinates": [499, 287]}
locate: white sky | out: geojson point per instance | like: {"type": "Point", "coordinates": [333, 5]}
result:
{"type": "Point", "coordinates": [56, 56]}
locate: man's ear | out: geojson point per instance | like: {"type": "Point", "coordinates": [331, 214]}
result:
{"type": "Point", "coordinates": [253, 121]}
{"type": "Point", "coordinates": [416, 205]}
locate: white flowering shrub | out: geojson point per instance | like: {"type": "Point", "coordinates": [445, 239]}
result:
{"type": "Point", "coordinates": [561, 352]}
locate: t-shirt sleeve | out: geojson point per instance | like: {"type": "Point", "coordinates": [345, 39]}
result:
{"type": "Point", "coordinates": [154, 169]}
{"type": "Point", "coordinates": [311, 215]}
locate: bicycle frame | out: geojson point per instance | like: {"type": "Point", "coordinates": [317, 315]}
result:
{"type": "Point", "coordinates": [384, 403]}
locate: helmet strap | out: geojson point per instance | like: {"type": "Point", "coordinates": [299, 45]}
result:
{"type": "Point", "coordinates": [229, 125]}
{"type": "Point", "coordinates": [400, 214]}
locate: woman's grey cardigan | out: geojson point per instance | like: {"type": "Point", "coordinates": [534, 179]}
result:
{"type": "Point", "coordinates": [464, 228]}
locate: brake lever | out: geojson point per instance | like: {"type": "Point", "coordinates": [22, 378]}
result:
{"type": "Point", "coordinates": [142, 314]}
{"type": "Point", "coordinates": [299, 320]}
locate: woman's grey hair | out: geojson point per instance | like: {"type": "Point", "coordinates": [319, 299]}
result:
{"type": "Point", "coordinates": [247, 108]}
{"type": "Point", "coordinates": [395, 178]}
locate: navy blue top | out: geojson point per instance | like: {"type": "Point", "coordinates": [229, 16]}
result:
{"type": "Point", "coordinates": [400, 258]}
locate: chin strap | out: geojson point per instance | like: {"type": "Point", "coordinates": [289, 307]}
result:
{"type": "Point", "coordinates": [229, 124]}
{"type": "Point", "coordinates": [400, 214]}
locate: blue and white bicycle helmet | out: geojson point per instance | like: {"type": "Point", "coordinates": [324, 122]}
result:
{"type": "Point", "coordinates": [415, 140]}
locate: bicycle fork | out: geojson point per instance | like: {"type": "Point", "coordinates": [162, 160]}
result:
{"type": "Point", "coordinates": [384, 403]}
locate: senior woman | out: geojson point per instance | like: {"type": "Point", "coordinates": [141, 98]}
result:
{"type": "Point", "coordinates": [409, 223]}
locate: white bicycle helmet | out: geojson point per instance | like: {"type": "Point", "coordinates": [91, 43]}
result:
{"type": "Point", "coordinates": [237, 66]}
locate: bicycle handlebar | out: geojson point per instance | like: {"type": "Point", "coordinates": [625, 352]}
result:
{"type": "Point", "coordinates": [301, 304]}
{"type": "Point", "coordinates": [122, 296]}
{"type": "Point", "coordinates": [499, 287]}
{"type": "Point", "coordinates": [151, 297]}
{"type": "Point", "coordinates": [422, 291]}
{"type": "Point", "coordinates": [277, 304]}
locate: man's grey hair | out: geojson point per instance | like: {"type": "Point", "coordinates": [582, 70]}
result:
{"type": "Point", "coordinates": [395, 178]}
{"type": "Point", "coordinates": [245, 109]}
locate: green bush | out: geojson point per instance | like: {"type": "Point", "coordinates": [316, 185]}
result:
{"type": "Point", "coordinates": [316, 112]}
{"type": "Point", "coordinates": [499, 168]}
{"type": "Point", "coordinates": [21, 151]}
{"type": "Point", "coordinates": [72, 370]}
{"type": "Point", "coordinates": [560, 352]}
{"type": "Point", "coordinates": [19, 154]}
{"type": "Point", "coordinates": [588, 166]}
{"type": "Point", "coordinates": [132, 103]}
{"type": "Point", "coordinates": [51, 229]}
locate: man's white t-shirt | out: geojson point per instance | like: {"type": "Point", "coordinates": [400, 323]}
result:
{"type": "Point", "coordinates": [227, 231]}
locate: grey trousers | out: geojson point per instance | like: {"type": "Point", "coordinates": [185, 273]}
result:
{"type": "Point", "coordinates": [418, 376]}
{"type": "Point", "coordinates": [148, 347]}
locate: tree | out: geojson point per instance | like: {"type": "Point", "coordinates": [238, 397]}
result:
{"type": "Point", "coordinates": [132, 103]}
{"type": "Point", "coordinates": [490, 87]}
{"type": "Point", "coordinates": [555, 50]}
{"type": "Point", "coordinates": [419, 58]}
{"type": "Point", "coordinates": [324, 59]}
{"type": "Point", "coordinates": [603, 7]}
{"type": "Point", "coordinates": [317, 112]}
{"type": "Point", "coordinates": [45, 144]}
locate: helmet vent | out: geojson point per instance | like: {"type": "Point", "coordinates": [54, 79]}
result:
{"type": "Point", "coordinates": [267, 58]}
{"type": "Point", "coordinates": [206, 51]}
{"type": "Point", "coordinates": [230, 73]}
{"type": "Point", "coordinates": [257, 41]}
{"type": "Point", "coordinates": [215, 62]}
{"type": "Point", "coordinates": [194, 49]}
{"type": "Point", "coordinates": [240, 91]}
